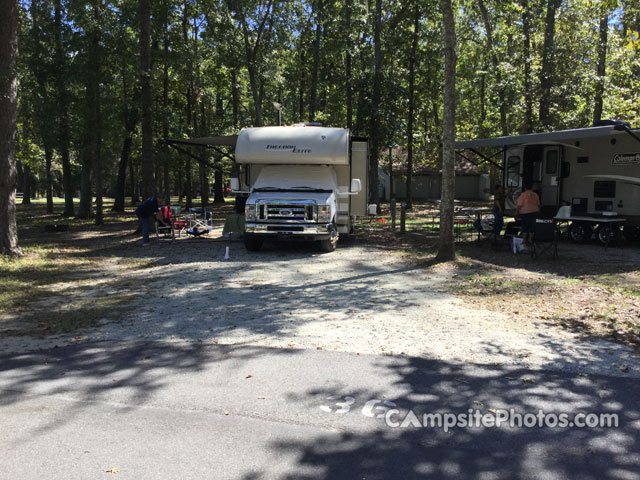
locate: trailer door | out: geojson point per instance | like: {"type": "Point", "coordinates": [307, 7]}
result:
{"type": "Point", "coordinates": [550, 174]}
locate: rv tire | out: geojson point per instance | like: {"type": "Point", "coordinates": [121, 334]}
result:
{"type": "Point", "coordinates": [580, 232]}
{"type": "Point", "coordinates": [330, 244]}
{"type": "Point", "coordinates": [607, 235]}
{"type": "Point", "coordinates": [252, 243]}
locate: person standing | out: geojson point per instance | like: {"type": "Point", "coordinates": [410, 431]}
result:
{"type": "Point", "coordinates": [528, 208]}
{"type": "Point", "coordinates": [147, 209]}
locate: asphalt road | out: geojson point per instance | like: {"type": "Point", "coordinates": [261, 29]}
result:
{"type": "Point", "coordinates": [195, 410]}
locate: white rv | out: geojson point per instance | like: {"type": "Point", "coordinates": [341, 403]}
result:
{"type": "Point", "coordinates": [300, 182]}
{"type": "Point", "coordinates": [594, 173]}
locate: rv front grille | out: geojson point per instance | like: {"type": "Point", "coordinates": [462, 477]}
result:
{"type": "Point", "coordinates": [282, 211]}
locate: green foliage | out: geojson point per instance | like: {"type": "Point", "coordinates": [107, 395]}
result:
{"type": "Point", "coordinates": [211, 49]}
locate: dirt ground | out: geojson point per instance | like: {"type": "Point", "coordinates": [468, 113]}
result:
{"type": "Point", "coordinates": [378, 293]}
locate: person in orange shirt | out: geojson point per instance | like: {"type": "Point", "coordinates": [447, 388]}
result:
{"type": "Point", "coordinates": [528, 208]}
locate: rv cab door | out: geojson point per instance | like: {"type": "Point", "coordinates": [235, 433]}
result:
{"type": "Point", "coordinates": [550, 175]}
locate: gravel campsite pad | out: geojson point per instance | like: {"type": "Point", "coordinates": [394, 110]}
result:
{"type": "Point", "coordinates": [361, 298]}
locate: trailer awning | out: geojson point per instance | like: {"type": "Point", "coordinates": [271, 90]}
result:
{"type": "Point", "coordinates": [539, 138]}
{"type": "Point", "coordinates": [219, 141]}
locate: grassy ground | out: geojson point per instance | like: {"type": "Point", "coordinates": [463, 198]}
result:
{"type": "Point", "coordinates": [588, 290]}
{"type": "Point", "coordinates": [73, 279]}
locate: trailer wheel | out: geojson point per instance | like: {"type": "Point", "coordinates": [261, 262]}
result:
{"type": "Point", "coordinates": [607, 235]}
{"type": "Point", "coordinates": [252, 243]}
{"type": "Point", "coordinates": [580, 232]}
{"type": "Point", "coordinates": [631, 233]}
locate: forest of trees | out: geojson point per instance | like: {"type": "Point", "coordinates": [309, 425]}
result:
{"type": "Point", "coordinates": [99, 82]}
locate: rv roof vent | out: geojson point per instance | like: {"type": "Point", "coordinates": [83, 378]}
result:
{"type": "Point", "coordinates": [605, 123]}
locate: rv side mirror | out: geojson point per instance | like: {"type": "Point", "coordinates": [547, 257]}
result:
{"type": "Point", "coordinates": [235, 184]}
{"type": "Point", "coordinates": [356, 187]}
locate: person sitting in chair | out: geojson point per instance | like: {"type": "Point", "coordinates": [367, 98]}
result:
{"type": "Point", "coordinates": [527, 210]}
{"type": "Point", "coordinates": [149, 208]}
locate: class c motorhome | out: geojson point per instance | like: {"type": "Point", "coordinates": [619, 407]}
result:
{"type": "Point", "coordinates": [594, 173]}
{"type": "Point", "coordinates": [300, 182]}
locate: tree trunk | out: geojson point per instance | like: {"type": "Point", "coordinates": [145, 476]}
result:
{"type": "Point", "coordinates": [375, 108]}
{"type": "Point", "coordinates": [189, 185]}
{"type": "Point", "coordinates": [317, 13]}
{"type": "Point", "coordinates": [235, 97]}
{"type": "Point", "coordinates": [446, 250]}
{"type": "Point", "coordinates": [602, 65]}
{"type": "Point", "coordinates": [8, 101]}
{"type": "Point", "coordinates": [49, 184]}
{"type": "Point", "coordinates": [546, 73]}
{"type": "Point", "coordinates": [218, 192]}
{"type": "Point", "coordinates": [412, 82]}
{"type": "Point", "coordinates": [165, 104]}
{"type": "Point", "coordinates": [528, 94]}
{"type": "Point", "coordinates": [135, 199]}
{"type": "Point", "coordinates": [348, 73]}
{"type": "Point", "coordinates": [97, 119]}
{"type": "Point", "coordinates": [130, 114]}
{"type": "Point", "coordinates": [301, 87]}
{"type": "Point", "coordinates": [496, 65]}
{"type": "Point", "coordinates": [86, 195]}
{"type": "Point", "coordinates": [148, 178]}
{"type": "Point", "coordinates": [63, 117]}
{"type": "Point", "coordinates": [26, 189]}
{"type": "Point", "coordinates": [118, 203]}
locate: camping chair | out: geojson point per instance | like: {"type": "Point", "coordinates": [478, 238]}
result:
{"type": "Point", "coordinates": [166, 231]}
{"type": "Point", "coordinates": [545, 239]}
{"type": "Point", "coordinates": [200, 222]}
{"type": "Point", "coordinates": [178, 222]}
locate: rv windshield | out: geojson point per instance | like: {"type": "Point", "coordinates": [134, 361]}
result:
{"type": "Point", "coordinates": [296, 178]}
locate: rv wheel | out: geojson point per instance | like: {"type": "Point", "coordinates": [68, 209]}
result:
{"type": "Point", "coordinates": [329, 245]}
{"type": "Point", "coordinates": [631, 233]}
{"type": "Point", "coordinates": [252, 243]}
{"type": "Point", "coordinates": [607, 235]}
{"type": "Point", "coordinates": [579, 232]}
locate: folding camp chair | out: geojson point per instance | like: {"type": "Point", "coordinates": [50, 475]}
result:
{"type": "Point", "coordinates": [545, 239]}
{"type": "Point", "coordinates": [167, 230]}
{"type": "Point", "coordinates": [200, 222]}
{"type": "Point", "coordinates": [178, 222]}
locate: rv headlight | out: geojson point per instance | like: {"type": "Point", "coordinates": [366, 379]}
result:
{"type": "Point", "coordinates": [250, 212]}
{"type": "Point", "coordinates": [324, 213]}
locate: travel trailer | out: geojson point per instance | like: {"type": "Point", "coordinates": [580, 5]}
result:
{"type": "Point", "coordinates": [300, 182]}
{"type": "Point", "coordinates": [586, 177]}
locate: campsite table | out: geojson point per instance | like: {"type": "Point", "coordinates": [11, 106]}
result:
{"type": "Point", "coordinates": [476, 213]}
{"type": "Point", "coordinates": [610, 221]}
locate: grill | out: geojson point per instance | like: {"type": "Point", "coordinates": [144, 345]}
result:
{"type": "Point", "coordinates": [287, 212]}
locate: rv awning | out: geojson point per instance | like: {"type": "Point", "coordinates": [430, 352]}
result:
{"type": "Point", "coordinates": [220, 141]}
{"type": "Point", "coordinates": [539, 138]}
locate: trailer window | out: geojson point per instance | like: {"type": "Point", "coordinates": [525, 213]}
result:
{"type": "Point", "coordinates": [513, 171]}
{"type": "Point", "coordinates": [604, 189]}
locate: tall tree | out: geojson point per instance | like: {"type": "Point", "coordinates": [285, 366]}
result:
{"type": "Point", "coordinates": [528, 94]}
{"type": "Point", "coordinates": [446, 249]}
{"type": "Point", "coordinates": [62, 98]}
{"type": "Point", "coordinates": [546, 72]}
{"type": "Point", "coordinates": [491, 47]}
{"type": "Point", "coordinates": [348, 74]}
{"type": "Point", "coordinates": [602, 62]}
{"type": "Point", "coordinates": [318, 7]}
{"type": "Point", "coordinates": [374, 127]}
{"type": "Point", "coordinates": [8, 98]}
{"type": "Point", "coordinates": [148, 177]}
{"type": "Point", "coordinates": [411, 110]}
